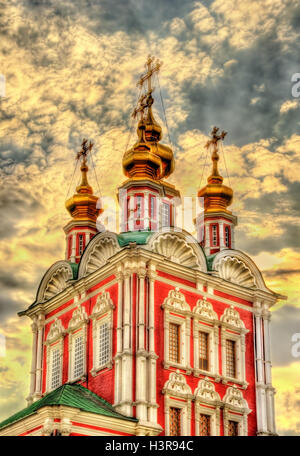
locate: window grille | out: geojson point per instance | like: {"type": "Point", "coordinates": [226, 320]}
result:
{"type": "Point", "coordinates": [214, 235]}
{"type": "Point", "coordinates": [230, 358]}
{"type": "Point", "coordinates": [78, 357]}
{"type": "Point", "coordinates": [55, 368]}
{"type": "Point", "coordinates": [203, 351]}
{"type": "Point", "coordinates": [104, 344]}
{"type": "Point", "coordinates": [165, 214]}
{"type": "Point", "coordinates": [233, 428]}
{"type": "Point", "coordinates": [175, 421]}
{"type": "Point", "coordinates": [174, 338]}
{"type": "Point", "coordinates": [204, 425]}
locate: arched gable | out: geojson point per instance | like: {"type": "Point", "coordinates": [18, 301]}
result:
{"type": "Point", "coordinates": [54, 281]}
{"type": "Point", "coordinates": [102, 247]}
{"type": "Point", "coordinates": [179, 247]}
{"type": "Point", "coordinates": [237, 267]}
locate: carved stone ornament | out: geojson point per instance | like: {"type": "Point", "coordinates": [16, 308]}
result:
{"type": "Point", "coordinates": [56, 331]}
{"type": "Point", "coordinates": [176, 249]}
{"type": "Point", "coordinates": [205, 309]}
{"type": "Point", "coordinates": [103, 304]}
{"type": "Point", "coordinates": [206, 391]}
{"type": "Point", "coordinates": [57, 282]}
{"type": "Point", "coordinates": [176, 300]}
{"type": "Point", "coordinates": [79, 317]}
{"type": "Point", "coordinates": [235, 271]}
{"type": "Point", "coordinates": [177, 385]}
{"type": "Point", "coordinates": [96, 256]}
{"type": "Point", "coordinates": [234, 399]}
{"type": "Point", "coordinates": [232, 317]}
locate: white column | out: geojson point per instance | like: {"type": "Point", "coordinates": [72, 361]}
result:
{"type": "Point", "coordinates": [38, 382]}
{"type": "Point", "coordinates": [118, 363]}
{"type": "Point", "coordinates": [269, 388]}
{"type": "Point", "coordinates": [260, 386]}
{"type": "Point", "coordinates": [33, 361]}
{"type": "Point", "coordinates": [221, 235]}
{"type": "Point", "coordinates": [152, 412]}
{"type": "Point", "coordinates": [73, 250]}
{"type": "Point", "coordinates": [127, 348]}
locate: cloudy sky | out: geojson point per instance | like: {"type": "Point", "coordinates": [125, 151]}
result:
{"type": "Point", "coordinates": [71, 67]}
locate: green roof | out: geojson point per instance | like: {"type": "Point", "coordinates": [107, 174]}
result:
{"type": "Point", "coordinates": [140, 237]}
{"type": "Point", "coordinates": [209, 260]}
{"type": "Point", "coordinates": [74, 267]}
{"type": "Point", "coordinates": [70, 395]}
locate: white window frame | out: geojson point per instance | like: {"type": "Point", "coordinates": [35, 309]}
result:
{"type": "Point", "coordinates": [233, 328]}
{"type": "Point", "coordinates": [208, 402]}
{"type": "Point", "coordinates": [235, 409]}
{"type": "Point", "coordinates": [54, 341]}
{"type": "Point", "coordinates": [77, 327]}
{"type": "Point", "coordinates": [178, 394]}
{"type": "Point", "coordinates": [176, 304]}
{"type": "Point", "coordinates": [102, 313]}
{"type": "Point", "coordinates": [205, 319]}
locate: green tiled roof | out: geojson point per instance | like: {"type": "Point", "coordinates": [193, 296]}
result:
{"type": "Point", "coordinates": [70, 395]}
{"type": "Point", "coordinates": [140, 237]}
{"type": "Point", "coordinates": [209, 260]}
{"type": "Point", "coordinates": [74, 267]}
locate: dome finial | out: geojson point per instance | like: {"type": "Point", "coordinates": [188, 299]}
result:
{"type": "Point", "coordinates": [84, 187]}
{"type": "Point", "coordinates": [215, 177]}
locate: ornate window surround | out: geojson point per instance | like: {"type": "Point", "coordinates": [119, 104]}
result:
{"type": "Point", "coordinates": [102, 313]}
{"type": "Point", "coordinates": [77, 327]}
{"type": "Point", "coordinates": [233, 328]}
{"type": "Point", "coordinates": [177, 311]}
{"type": "Point", "coordinates": [206, 320]}
{"type": "Point", "coordinates": [54, 341]}
{"type": "Point", "coordinates": [207, 401]}
{"type": "Point", "coordinates": [178, 394]}
{"type": "Point", "coordinates": [235, 409]}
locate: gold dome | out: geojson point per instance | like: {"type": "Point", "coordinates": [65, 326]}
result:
{"type": "Point", "coordinates": [148, 158]}
{"type": "Point", "coordinates": [217, 197]}
{"type": "Point", "coordinates": [83, 204]}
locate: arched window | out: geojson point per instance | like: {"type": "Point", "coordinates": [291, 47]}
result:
{"type": "Point", "coordinates": [235, 413]}
{"type": "Point", "coordinates": [77, 344]}
{"type": "Point", "coordinates": [54, 343]}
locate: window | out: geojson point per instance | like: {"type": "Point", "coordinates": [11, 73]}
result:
{"type": "Point", "coordinates": [177, 323]}
{"type": "Point", "coordinates": [102, 316]}
{"type": "Point", "coordinates": [214, 235]}
{"type": "Point", "coordinates": [233, 428]}
{"type": "Point", "coordinates": [104, 344]}
{"type": "Point", "coordinates": [70, 246]}
{"type": "Point", "coordinates": [227, 237]}
{"type": "Point", "coordinates": [152, 212]}
{"type": "Point", "coordinates": [206, 338]}
{"type": "Point", "coordinates": [203, 351]}
{"type": "Point", "coordinates": [165, 216]}
{"type": "Point", "coordinates": [175, 421]}
{"type": "Point", "coordinates": [78, 356]}
{"type": "Point", "coordinates": [55, 369]}
{"type": "Point", "coordinates": [174, 338]}
{"type": "Point", "coordinates": [204, 425]}
{"type": "Point", "coordinates": [230, 358]}
{"type": "Point", "coordinates": [77, 343]}
{"type": "Point", "coordinates": [81, 244]}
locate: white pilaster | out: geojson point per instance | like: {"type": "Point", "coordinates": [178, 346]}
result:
{"type": "Point", "coordinates": [38, 380]}
{"type": "Point", "coordinates": [152, 411]}
{"type": "Point", "coordinates": [33, 361]}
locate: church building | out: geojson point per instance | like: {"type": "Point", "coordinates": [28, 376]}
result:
{"type": "Point", "coordinates": [150, 331]}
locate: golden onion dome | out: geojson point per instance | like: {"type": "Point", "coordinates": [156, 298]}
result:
{"type": "Point", "coordinates": [148, 158]}
{"type": "Point", "coordinates": [217, 196]}
{"type": "Point", "coordinates": [83, 204]}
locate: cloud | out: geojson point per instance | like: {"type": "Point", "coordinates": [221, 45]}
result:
{"type": "Point", "coordinates": [288, 105]}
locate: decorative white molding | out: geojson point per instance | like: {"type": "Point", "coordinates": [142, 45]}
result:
{"type": "Point", "coordinates": [179, 247]}
{"type": "Point", "coordinates": [176, 300]}
{"type": "Point", "coordinates": [235, 409]}
{"type": "Point", "coordinates": [176, 385]}
{"type": "Point", "coordinates": [103, 304]}
{"type": "Point", "coordinates": [56, 331]}
{"type": "Point", "coordinates": [54, 281]}
{"type": "Point", "coordinates": [237, 267]}
{"type": "Point", "coordinates": [204, 310]}
{"type": "Point", "coordinates": [205, 392]}
{"type": "Point", "coordinates": [79, 317]}
{"type": "Point", "coordinates": [235, 270]}
{"type": "Point", "coordinates": [102, 247]}
{"type": "Point", "coordinates": [232, 318]}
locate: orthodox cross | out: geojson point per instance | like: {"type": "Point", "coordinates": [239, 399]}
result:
{"type": "Point", "coordinates": [85, 149]}
{"type": "Point", "coordinates": [215, 138]}
{"type": "Point", "coordinates": [146, 100]}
